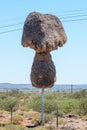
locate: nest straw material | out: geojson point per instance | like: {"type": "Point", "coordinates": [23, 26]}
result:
{"type": "Point", "coordinates": [43, 73]}
{"type": "Point", "coordinates": [43, 32]}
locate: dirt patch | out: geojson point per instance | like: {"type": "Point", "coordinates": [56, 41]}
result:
{"type": "Point", "coordinates": [69, 123]}
{"type": "Point", "coordinates": [4, 118]}
{"type": "Point", "coordinates": [74, 124]}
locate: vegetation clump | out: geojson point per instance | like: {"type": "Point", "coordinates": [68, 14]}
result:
{"type": "Point", "coordinates": [29, 107]}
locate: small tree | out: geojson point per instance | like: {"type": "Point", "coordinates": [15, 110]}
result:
{"type": "Point", "coordinates": [10, 104]}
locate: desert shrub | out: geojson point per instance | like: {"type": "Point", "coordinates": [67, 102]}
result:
{"type": "Point", "coordinates": [62, 121]}
{"type": "Point", "coordinates": [13, 127]}
{"type": "Point", "coordinates": [50, 105]}
{"type": "Point", "coordinates": [48, 117]}
{"type": "Point", "coordinates": [82, 106]}
{"type": "Point", "coordinates": [51, 95]}
{"type": "Point", "coordinates": [35, 104]}
{"type": "Point", "coordinates": [23, 108]}
{"type": "Point", "coordinates": [83, 93]}
{"type": "Point", "coordinates": [17, 119]}
{"type": "Point", "coordinates": [40, 128]}
{"type": "Point", "coordinates": [15, 93]}
{"type": "Point", "coordinates": [36, 118]}
{"type": "Point", "coordinates": [68, 128]}
{"type": "Point", "coordinates": [68, 105]}
{"type": "Point", "coordinates": [3, 112]}
{"type": "Point", "coordinates": [21, 113]}
{"type": "Point", "coordinates": [80, 94]}
{"type": "Point", "coordinates": [50, 127]}
{"type": "Point", "coordinates": [60, 113]}
{"type": "Point", "coordinates": [3, 96]}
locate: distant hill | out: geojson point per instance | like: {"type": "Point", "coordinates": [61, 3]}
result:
{"type": "Point", "coordinates": [15, 86]}
{"type": "Point", "coordinates": [8, 86]}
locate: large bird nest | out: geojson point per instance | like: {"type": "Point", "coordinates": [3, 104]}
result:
{"type": "Point", "coordinates": [43, 73]}
{"type": "Point", "coordinates": [43, 32]}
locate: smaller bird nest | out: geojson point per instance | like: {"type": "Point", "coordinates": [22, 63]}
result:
{"type": "Point", "coordinates": [43, 32]}
{"type": "Point", "coordinates": [43, 73]}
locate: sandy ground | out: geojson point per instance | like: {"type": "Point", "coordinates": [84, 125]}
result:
{"type": "Point", "coordinates": [72, 123]}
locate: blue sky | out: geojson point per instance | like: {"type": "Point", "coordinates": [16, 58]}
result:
{"type": "Point", "coordinates": [70, 60]}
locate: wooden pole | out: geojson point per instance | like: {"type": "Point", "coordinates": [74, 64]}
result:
{"type": "Point", "coordinates": [57, 118]}
{"type": "Point", "coordinates": [42, 116]}
{"type": "Point", "coordinates": [71, 88]}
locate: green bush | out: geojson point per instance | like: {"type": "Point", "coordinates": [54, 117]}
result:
{"type": "Point", "coordinates": [62, 121]}
{"type": "Point", "coordinates": [40, 128]}
{"type": "Point", "coordinates": [60, 113]}
{"type": "Point", "coordinates": [50, 127]}
{"type": "Point", "coordinates": [68, 105]}
{"type": "Point", "coordinates": [48, 117]}
{"type": "Point", "coordinates": [13, 127]}
{"type": "Point", "coordinates": [50, 105]}
{"type": "Point", "coordinates": [36, 118]}
{"type": "Point", "coordinates": [80, 94]}
{"type": "Point", "coordinates": [35, 104]}
{"type": "Point", "coordinates": [3, 96]}
{"type": "Point", "coordinates": [17, 119]}
{"type": "Point", "coordinates": [51, 95]}
{"type": "Point", "coordinates": [82, 106]}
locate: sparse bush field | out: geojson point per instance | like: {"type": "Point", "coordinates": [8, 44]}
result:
{"type": "Point", "coordinates": [75, 103]}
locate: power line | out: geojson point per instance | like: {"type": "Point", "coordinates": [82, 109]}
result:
{"type": "Point", "coordinates": [69, 20]}
{"type": "Point", "coordinates": [73, 16]}
{"type": "Point", "coordinates": [63, 12]}
{"type": "Point", "coordinates": [10, 25]}
{"type": "Point", "coordinates": [14, 30]}
{"type": "Point", "coordinates": [72, 20]}
{"type": "Point", "coordinates": [65, 17]}
{"type": "Point", "coordinates": [70, 12]}
{"type": "Point", "coordinates": [77, 10]}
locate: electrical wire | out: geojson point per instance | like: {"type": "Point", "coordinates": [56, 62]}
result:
{"type": "Point", "coordinates": [71, 12]}
{"type": "Point", "coordinates": [72, 18]}
{"type": "Point", "coordinates": [65, 17]}
{"type": "Point", "coordinates": [21, 28]}
{"type": "Point", "coordinates": [77, 10]}
{"type": "Point", "coordinates": [10, 25]}
{"type": "Point", "coordinates": [14, 30]}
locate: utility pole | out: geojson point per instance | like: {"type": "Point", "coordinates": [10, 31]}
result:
{"type": "Point", "coordinates": [57, 123]}
{"type": "Point", "coordinates": [42, 116]}
{"type": "Point", "coordinates": [71, 88]}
